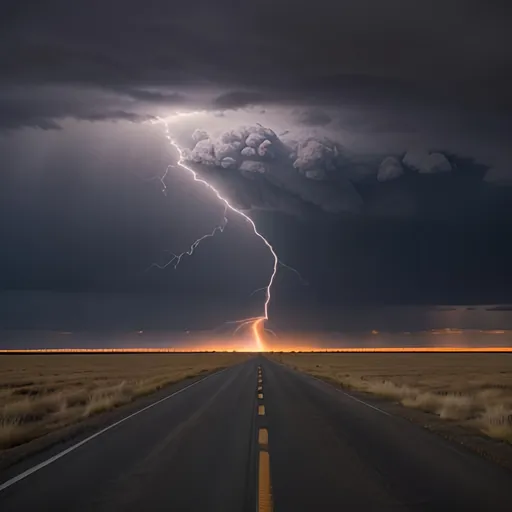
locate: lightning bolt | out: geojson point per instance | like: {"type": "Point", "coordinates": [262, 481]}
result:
{"type": "Point", "coordinates": [256, 323]}
{"type": "Point", "coordinates": [176, 258]}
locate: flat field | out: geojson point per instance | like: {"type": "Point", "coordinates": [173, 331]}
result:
{"type": "Point", "coordinates": [472, 390]}
{"type": "Point", "coordinates": [42, 393]}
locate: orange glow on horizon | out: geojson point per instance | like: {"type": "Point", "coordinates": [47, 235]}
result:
{"type": "Point", "coordinates": [251, 349]}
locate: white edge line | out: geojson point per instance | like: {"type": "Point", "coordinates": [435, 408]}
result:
{"type": "Point", "coordinates": [365, 403]}
{"type": "Point", "coordinates": [61, 454]}
{"type": "Point", "coordinates": [351, 396]}
{"type": "Point", "coordinates": [342, 392]}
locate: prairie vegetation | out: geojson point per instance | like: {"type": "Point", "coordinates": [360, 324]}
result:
{"type": "Point", "coordinates": [474, 390]}
{"type": "Point", "coordinates": [41, 393]}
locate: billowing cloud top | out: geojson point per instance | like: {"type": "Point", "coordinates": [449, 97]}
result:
{"type": "Point", "coordinates": [262, 170]}
{"type": "Point", "coordinates": [427, 163]}
{"type": "Point", "coordinates": [298, 170]}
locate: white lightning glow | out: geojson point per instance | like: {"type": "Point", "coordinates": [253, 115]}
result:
{"type": "Point", "coordinates": [256, 323]}
{"type": "Point", "coordinates": [176, 258]}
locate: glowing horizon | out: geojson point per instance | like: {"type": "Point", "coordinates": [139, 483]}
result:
{"type": "Point", "coordinates": [288, 349]}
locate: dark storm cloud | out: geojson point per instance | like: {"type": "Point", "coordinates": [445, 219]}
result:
{"type": "Point", "coordinates": [154, 96]}
{"type": "Point", "coordinates": [313, 117]}
{"type": "Point", "coordinates": [255, 165]}
{"type": "Point", "coordinates": [334, 53]}
{"type": "Point", "coordinates": [259, 170]}
{"type": "Point", "coordinates": [45, 107]}
{"type": "Point", "coordinates": [239, 99]}
{"type": "Point", "coordinates": [18, 116]}
{"type": "Point", "coordinates": [118, 115]}
{"type": "Point", "coordinates": [427, 45]}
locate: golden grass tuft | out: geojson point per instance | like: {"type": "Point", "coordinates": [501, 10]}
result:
{"type": "Point", "coordinates": [104, 399]}
{"type": "Point", "coordinates": [497, 422]}
{"type": "Point", "coordinates": [9, 431]}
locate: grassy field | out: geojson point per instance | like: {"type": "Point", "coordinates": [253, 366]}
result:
{"type": "Point", "coordinates": [474, 390]}
{"type": "Point", "coordinates": [42, 393]}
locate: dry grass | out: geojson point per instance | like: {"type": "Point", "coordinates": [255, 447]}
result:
{"type": "Point", "coordinates": [41, 393]}
{"type": "Point", "coordinates": [473, 390]}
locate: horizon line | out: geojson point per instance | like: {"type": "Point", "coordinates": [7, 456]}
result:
{"type": "Point", "coordinates": [245, 350]}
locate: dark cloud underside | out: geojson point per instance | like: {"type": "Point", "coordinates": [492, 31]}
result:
{"type": "Point", "coordinates": [437, 45]}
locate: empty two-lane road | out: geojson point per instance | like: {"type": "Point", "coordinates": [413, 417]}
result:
{"type": "Point", "coordinates": [259, 436]}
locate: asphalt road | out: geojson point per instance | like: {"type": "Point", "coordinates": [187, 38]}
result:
{"type": "Point", "coordinates": [205, 448]}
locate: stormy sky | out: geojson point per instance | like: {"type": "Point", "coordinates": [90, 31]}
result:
{"type": "Point", "coordinates": [369, 141]}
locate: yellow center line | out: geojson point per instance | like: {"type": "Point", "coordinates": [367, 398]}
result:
{"type": "Point", "coordinates": [265, 502]}
{"type": "Point", "coordinates": [263, 438]}
{"type": "Point", "coordinates": [264, 489]}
